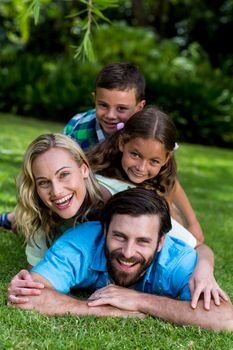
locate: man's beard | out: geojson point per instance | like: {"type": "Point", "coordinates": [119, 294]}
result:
{"type": "Point", "coordinates": [122, 278]}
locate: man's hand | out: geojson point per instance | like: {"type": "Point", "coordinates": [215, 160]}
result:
{"type": "Point", "coordinates": [120, 297]}
{"type": "Point", "coordinates": [50, 302]}
{"type": "Point", "coordinates": [22, 286]}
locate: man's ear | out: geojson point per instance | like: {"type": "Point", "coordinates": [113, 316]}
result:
{"type": "Point", "coordinates": [140, 105]}
{"type": "Point", "coordinates": [161, 241]}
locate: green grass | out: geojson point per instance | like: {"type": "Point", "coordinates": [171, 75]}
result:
{"type": "Point", "coordinates": [206, 174]}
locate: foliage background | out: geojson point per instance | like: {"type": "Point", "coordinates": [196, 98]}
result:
{"type": "Point", "coordinates": [179, 45]}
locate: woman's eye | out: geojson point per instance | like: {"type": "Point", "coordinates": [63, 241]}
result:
{"type": "Point", "coordinates": [64, 174]}
{"type": "Point", "coordinates": [43, 183]}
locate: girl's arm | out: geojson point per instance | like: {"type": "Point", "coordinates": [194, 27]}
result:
{"type": "Point", "coordinates": [202, 282]}
{"type": "Point", "coordinates": [181, 201]}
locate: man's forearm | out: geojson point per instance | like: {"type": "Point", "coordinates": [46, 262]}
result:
{"type": "Point", "coordinates": [180, 312]}
{"type": "Point", "coordinates": [51, 302]}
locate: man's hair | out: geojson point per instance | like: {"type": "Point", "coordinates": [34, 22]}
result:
{"type": "Point", "coordinates": [136, 202]}
{"type": "Point", "coordinates": [122, 76]}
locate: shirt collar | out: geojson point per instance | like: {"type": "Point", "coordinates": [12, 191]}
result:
{"type": "Point", "coordinates": [99, 132]}
{"type": "Point", "coordinates": [146, 279]}
{"type": "Point", "coordinates": [99, 262]}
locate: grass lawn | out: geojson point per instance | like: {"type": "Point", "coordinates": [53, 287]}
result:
{"type": "Point", "coordinates": [206, 174]}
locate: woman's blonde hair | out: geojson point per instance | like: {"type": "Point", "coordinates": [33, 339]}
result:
{"type": "Point", "coordinates": [31, 213]}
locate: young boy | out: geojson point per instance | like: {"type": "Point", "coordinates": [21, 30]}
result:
{"type": "Point", "coordinates": [119, 93]}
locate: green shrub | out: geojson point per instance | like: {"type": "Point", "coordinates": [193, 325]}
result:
{"type": "Point", "coordinates": [182, 82]}
{"type": "Point", "coordinates": [46, 88]}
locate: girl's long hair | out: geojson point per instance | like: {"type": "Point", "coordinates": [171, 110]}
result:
{"type": "Point", "coordinates": [149, 123]}
{"type": "Point", "coordinates": [32, 214]}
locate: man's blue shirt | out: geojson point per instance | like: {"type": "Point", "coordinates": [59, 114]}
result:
{"type": "Point", "coordinates": [77, 259]}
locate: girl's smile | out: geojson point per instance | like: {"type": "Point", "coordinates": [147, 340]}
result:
{"type": "Point", "coordinates": [142, 159]}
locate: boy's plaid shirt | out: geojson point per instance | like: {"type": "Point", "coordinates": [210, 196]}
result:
{"type": "Point", "coordinates": [85, 129]}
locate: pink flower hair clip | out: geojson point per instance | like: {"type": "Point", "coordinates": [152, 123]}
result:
{"type": "Point", "coordinates": [120, 126]}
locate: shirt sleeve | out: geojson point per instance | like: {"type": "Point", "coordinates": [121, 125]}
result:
{"type": "Point", "coordinates": [182, 273]}
{"type": "Point", "coordinates": [62, 266]}
{"type": "Point", "coordinates": [68, 129]}
{"type": "Point", "coordinates": [67, 263]}
{"type": "Point", "coordinates": [113, 185]}
{"type": "Point", "coordinates": [36, 249]}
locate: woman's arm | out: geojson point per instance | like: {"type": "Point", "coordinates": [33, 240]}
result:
{"type": "Point", "coordinates": [181, 201]}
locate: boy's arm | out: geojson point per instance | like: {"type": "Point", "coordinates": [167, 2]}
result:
{"type": "Point", "coordinates": [175, 311]}
{"type": "Point", "coordinates": [182, 202]}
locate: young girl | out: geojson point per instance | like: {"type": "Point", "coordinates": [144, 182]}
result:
{"type": "Point", "coordinates": [142, 154]}
{"type": "Point", "coordinates": [56, 190]}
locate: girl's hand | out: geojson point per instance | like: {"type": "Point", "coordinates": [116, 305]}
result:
{"type": "Point", "coordinates": [21, 286]}
{"type": "Point", "coordinates": [202, 282]}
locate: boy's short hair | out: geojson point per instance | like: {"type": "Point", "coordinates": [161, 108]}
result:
{"type": "Point", "coordinates": [122, 76]}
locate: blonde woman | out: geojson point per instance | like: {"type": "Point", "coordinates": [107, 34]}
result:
{"type": "Point", "coordinates": [56, 190]}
